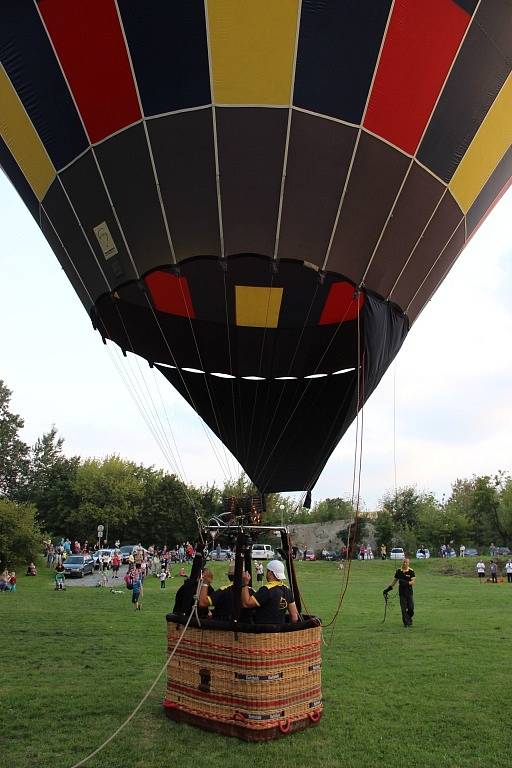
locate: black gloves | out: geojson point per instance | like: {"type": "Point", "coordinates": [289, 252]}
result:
{"type": "Point", "coordinates": [388, 589]}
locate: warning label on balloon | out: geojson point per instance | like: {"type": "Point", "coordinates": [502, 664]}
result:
{"type": "Point", "coordinates": [105, 240]}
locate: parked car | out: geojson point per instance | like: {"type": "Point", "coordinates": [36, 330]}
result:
{"type": "Point", "coordinates": [309, 555]}
{"type": "Point", "coordinates": [98, 557]}
{"type": "Point", "coordinates": [220, 554]}
{"type": "Point", "coordinates": [423, 553]}
{"type": "Point", "coordinates": [79, 565]}
{"type": "Point", "coordinates": [125, 551]}
{"type": "Point", "coordinates": [397, 553]}
{"type": "Point", "coordinates": [471, 552]}
{"type": "Point", "coordinates": [326, 555]}
{"type": "Point", "coordinates": [503, 551]}
{"type": "Point", "coordinates": [262, 552]}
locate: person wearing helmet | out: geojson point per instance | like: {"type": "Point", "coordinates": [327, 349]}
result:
{"type": "Point", "coordinates": [273, 601]}
{"type": "Point", "coordinates": [222, 599]}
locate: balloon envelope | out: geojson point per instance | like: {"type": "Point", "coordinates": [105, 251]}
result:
{"type": "Point", "coordinates": [258, 198]}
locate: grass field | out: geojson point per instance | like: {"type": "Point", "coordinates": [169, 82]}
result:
{"type": "Point", "coordinates": [74, 664]}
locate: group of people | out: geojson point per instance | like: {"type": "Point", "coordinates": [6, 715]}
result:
{"type": "Point", "coordinates": [493, 570]}
{"type": "Point", "coordinates": [8, 581]}
{"type": "Point", "coordinates": [270, 603]}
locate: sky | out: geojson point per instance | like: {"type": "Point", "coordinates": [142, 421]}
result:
{"type": "Point", "coordinates": [442, 411]}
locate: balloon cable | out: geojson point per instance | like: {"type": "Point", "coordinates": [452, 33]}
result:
{"type": "Point", "coordinates": [152, 686]}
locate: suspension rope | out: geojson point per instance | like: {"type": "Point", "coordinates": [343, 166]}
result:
{"type": "Point", "coordinates": [309, 384]}
{"type": "Point", "coordinates": [356, 495]}
{"type": "Point", "coordinates": [152, 686]}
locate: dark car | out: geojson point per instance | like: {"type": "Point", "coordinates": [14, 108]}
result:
{"type": "Point", "coordinates": [80, 565]}
{"type": "Point", "coordinates": [330, 555]}
{"type": "Point", "coordinates": [503, 551]}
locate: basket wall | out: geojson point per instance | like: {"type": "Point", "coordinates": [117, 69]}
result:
{"type": "Point", "coordinates": [256, 686]}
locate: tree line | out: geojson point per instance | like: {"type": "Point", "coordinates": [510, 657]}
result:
{"type": "Point", "coordinates": [44, 492]}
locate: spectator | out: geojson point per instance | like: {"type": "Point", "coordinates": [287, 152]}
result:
{"type": "Point", "coordinates": [508, 570]}
{"type": "Point", "coordinates": [31, 570]}
{"type": "Point", "coordinates": [494, 572]}
{"type": "Point", "coordinates": [259, 572]}
{"type": "Point", "coordinates": [116, 562]}
{"type": "Point", "coordinates": [492, 549]}
{"type": "Point", "coordinates": [12, 581]}
{"type": "Point", "coordinates": [163, 577]}
{"type": "Point", "coordinates": [480, 569]}
{"type": "Point", "coordinates": [462, 550]}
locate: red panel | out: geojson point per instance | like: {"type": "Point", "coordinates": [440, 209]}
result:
{"type": "Point", "coordinates": [91, 49]}
{"type": "Point", "coordinates": [341, 304]}
{"type": "Point", "coordinates": [421, 43]}
{"type": "Point", "coordinates": [170, 294]}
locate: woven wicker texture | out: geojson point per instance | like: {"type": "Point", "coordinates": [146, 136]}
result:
{"type": "Point", "coordinates": [258, 681]}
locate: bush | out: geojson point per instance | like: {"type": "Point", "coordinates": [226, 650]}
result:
{"type": "Point", "coordinates": [20, 535]}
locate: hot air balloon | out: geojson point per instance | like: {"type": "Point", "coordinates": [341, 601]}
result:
{"type": "Point", "coordinates": [258, 198]}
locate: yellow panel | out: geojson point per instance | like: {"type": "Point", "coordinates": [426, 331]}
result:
{"type": "Point", "coordinates": [258, 307]}
{"type": "Point", "coordinates": [252, 46]}
{"type": "Point", "coordinates": [492, 140]}
{"type": "Point", "coordinates": [24, 144]}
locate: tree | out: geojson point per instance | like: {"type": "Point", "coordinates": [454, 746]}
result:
{"type": "Point", "coordinates": [50, 482]}
{"type": "Point", "coordinates": [331, 509]}
{"type": "Point", "coordinates": [20, 535]}
{"type": "Point", "coordinates": [109, 492]}
{"type": "Point", "coordinates": [384, 529]}
{"type": "Point", "coordinates": [13, 451]}
{"type": "Point", "coordinates": [403, 506]}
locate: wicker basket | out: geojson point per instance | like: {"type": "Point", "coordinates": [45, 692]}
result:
{"type": "Point", "coordinates": [246, 683]}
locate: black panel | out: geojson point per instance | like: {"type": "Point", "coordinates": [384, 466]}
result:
{"type": "Point", "coordinates": [478, 74]}
{"type": "Point", "coordinates": [67, 226]}
{"type": "Point", "coordinates": [498, 181]}
{"type": "Point", "coordinates": [433, 241]}
{"type": "Point", "coordinates": [468, 5]}
{"type": "Point", "coordinates": [86, 191]}
{"type": "Point", "coordinates": [438, 274]}
{"type": "Point", "coordinates": [375, 179]}
{"type": "Point", "coordinates": [28, 58]}
{"type": "Point", "coordinates": [283, 432]}
{"type": "Point", "coordinates": [338, 47]}
{"type": "Point", "coordinates": [60, 253]}
{"type": "Point", "coordinates": [251, 145]}
{"type": "Point", "coordinates": [318, 159]}
{"type": "Point", "coordinates": [184, 155]}
{"type": "Point", "coordinates": [169, 51]}
{"type": "Point", "coordinates": [385, 328]}
{"type": "Point", "coordinates": [126, 165]}
{"type": "Point", "coordinates": [19, 182]}
{"type": "Point", "coordinates": [419, 196]}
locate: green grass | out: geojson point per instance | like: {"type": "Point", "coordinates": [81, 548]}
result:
{"type": "Point", "coordinates": [74, 664]}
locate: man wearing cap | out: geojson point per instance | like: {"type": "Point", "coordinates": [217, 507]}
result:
{"type": "Point", "coordinates": [221, 599]}
{"type": "Point", "coordinates": [273, 600]}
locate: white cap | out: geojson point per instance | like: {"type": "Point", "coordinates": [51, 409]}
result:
{"type": "Point", "coordinates": [277, 568]}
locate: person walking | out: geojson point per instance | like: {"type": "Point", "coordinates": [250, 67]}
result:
{"type": "Point", "coordinates": [163, 577]}
{"type": "Point", "coordinates": [508, 570]}
{"type": "Point", "coordinates": [406, 579]}
{"type": "Point", "coordinates": [137, 592]}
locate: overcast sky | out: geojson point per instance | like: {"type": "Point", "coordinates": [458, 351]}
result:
{"type": "Point", "coordinates": [450, 387]}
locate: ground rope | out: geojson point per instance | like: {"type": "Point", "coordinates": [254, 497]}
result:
{"type": "Point", "coordinates": [146, 695]}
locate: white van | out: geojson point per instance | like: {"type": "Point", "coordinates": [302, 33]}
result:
{"type": "Point", "coordinates": [262, 552]}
